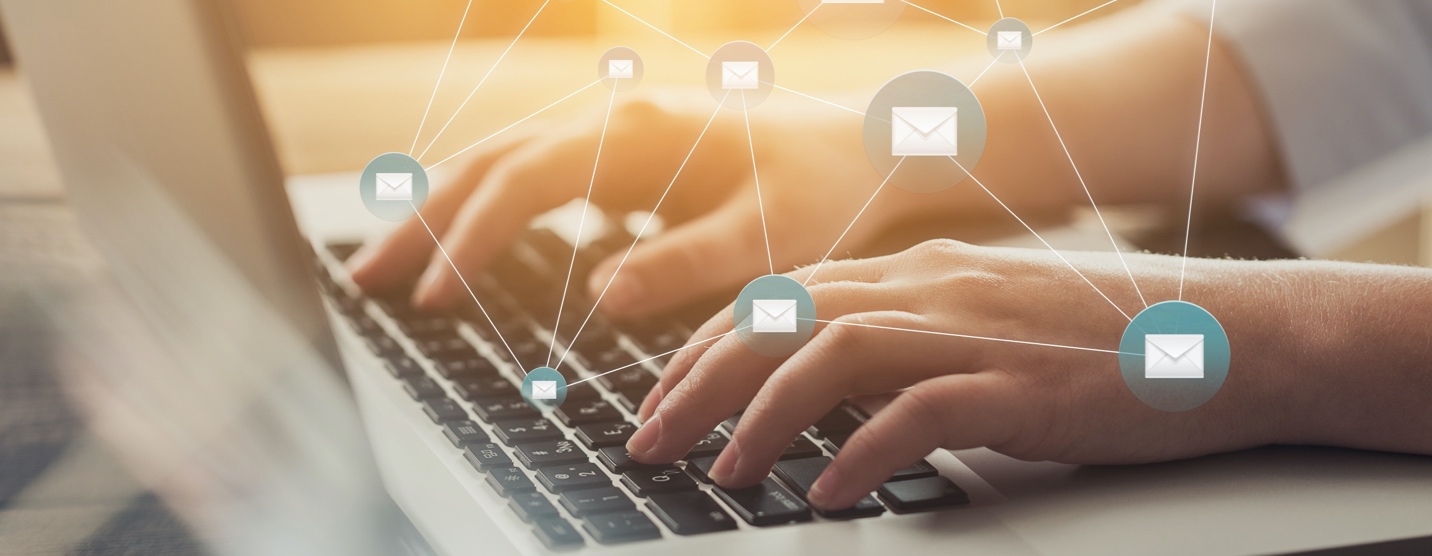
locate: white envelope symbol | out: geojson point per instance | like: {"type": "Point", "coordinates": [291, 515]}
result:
{"type": "Point", "coordinates": [395, 187]}
{"type": "Point", "coordinates": [544, 389]}
{"type": "Point", "coordinates": [740, 75]}
{"type": "Point", "coordinates": [619, 69]}
{"type": "Point", "coordinates": [1009, 40]}
{"type": "Point", "coordinates": [773, 315]}
{"type": "Point", "coordinates": [1173, 356]}
{"type": "Point", "coordinates": [924, 131]}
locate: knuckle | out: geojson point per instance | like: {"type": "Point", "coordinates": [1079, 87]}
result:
{"type": "Point", "coordinates": [922, 405]}
{"type": "Point", "coordinates": [939, 247]}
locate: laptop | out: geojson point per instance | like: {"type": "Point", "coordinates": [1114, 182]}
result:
{"type": "Point", "coordinates": [168, 165]}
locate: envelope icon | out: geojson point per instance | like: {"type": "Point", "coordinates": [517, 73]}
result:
{"type": "Point", "coordinates": [544, 389]}
{"type": "Point", "coordinates": [1009, 40]}
{"type": "Point", "coordinates": [740, 75]}
{"type": "Point", "coordinates": [924, 131]}
{"type": "Point", "coordinates": [1173, 356]}
{"type": "Point", "coordinates": [773, 315]}
{"type": "Point", "coordinates": [395, 187]}
{"type": "Point", "coordinates": [619, 69]}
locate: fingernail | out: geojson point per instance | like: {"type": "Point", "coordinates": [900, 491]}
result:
{"type": "Point", "coordinates": [824, 488]}
{"type": "Point", "coordinates": [645, 438]}
{"type": "Point", "coordinates": [726, 464]}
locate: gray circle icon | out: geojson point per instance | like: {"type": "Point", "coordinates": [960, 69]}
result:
{"type": "Point", "coordinates": [929, 125]}
{"type": "Point", "coordinates": [393, 187]}
{"type": "Point", "coordinates": [1174, 356]}
{"type": "Point", "coordinates": [774, 315]}
{"type": "Point", "coordinates": [740, 75]}
{"type": "Point", "coordinates": [853, 20]}
{"type": "Point", "coordinates": [620, 68]}
{"type": "Point", "coordinates": [544, 387]}
{"type": "Point", "coordinates": [1009, 40]}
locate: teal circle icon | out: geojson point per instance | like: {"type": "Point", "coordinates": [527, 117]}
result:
{"type": "Point", "coordinates": [544, 387]}
{"type": "Point", "coordinates": [394, 186]}
{"type": "Point", "coordinates": [774, 316]}
{"type": "Point", "coordinates": [1174, 356]}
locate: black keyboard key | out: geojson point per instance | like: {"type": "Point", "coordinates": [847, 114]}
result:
{"type": "Point", "coordinates": [801, 474]}
{"type": "Point", "coordinates": [701, 468]}
{"type": "Point", "coordinates": [768, 503]}
{"type": "Point", "coordinates": [557, 533]}
{"type": "Point", "coordinates": [630, 400]}
{"type": "Point", "coordinates": [508, 481]}
{"type": "Point", "coordinates": [383, 345]}
{"type": "Point", "coordinates": [563, 478]}
{"type": "Point", "coordinates": [455, 366]}
{"type": "Point", "coordinates": [690, 513]}
{"type": "Point", "coordinates": [801, 447]}
{"type": "Point", "coordinates": [592, 411]}
{"type": "Point", "coordinates": [918, 495]}
{"type": "Point", "coordinates": [531, 506]}
{"type": "Point", "coordinates": [730, 423]}
{"type": "Point", "coordinates": [424, 326]}
{"type": "Point", "coordinates": [634, 378]}
{"type": "Point", "coordinates": [485, 457]}
{"type": "Point", "coordinates": [602, 435]}
{"type": "Point", "coordinates": [420, 387]}
{"type": "Point", "coordinates": [442, 410]}
{"type": "Point", "coordinates": [841, 420]}
{"type": "Point", "coordinates": [617, 460]}
{"type": "Point", "coordinates": [590, 501]}
{"type": "Point", "coordinates": [709, 445]}
{"type": "Point", "coordinates": [579, 393]}
{"type": "Point", "coordinates": [920, 470]}
{"type": "Point", "coordinates": [484, 387]}
{"type": "Point", "coordinates": [511, 407]}
{"type": "Point", "coordinates": [646, 482]}
{"type": "Point", "coordinates": [620, 527]}
{"type": "Point", "coordinates": [833, 444]}
{"type": "Point", "coordinates": [464, 433]}
{"type": "Point", "coordinates": [445, 347]}
{"type": "Point", "coordinates": [547, 453]}
{"type": "Point", "coordinates": [522, 431]}
{"type": "Point", "coordinates": [402, 366]}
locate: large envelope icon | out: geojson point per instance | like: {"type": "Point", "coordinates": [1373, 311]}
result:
{"type": "Point", "coordinates": [740, 75]}
{"type": "Point", "coordinates": [773, 315]}
{"type": "Point", "coordinates": [544, 389]}
{"type": "Point", "coordinates": [395, 187]}
{"type": "Point", "coordinates": [924, 131]}
{"type": "Point", "coordinates": [1173, 356]}
{"type": "Point", "coordinates": [619, 69]}
{"type": "Point", "coordinates": [1009, 40]}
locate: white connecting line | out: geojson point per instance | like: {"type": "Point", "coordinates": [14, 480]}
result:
{"type": "Point", "coordinates": [853, 221]}
{"type": "Point", "coordinates": [1075, 17]}
{"type": "Point", "coordinates": [987, 68]}
{"type": "Point", "coordinates": [514, 124]}
{"type": "Point", "coordinates": [1197, 142]}
{"type": "Point", "coordinates": [820, 100]}
{"type": "Point", "coordinates": [966, 336]}
{"type": "Point", "coordinates": [655, 357]}
{"type": "Point", "coordinates": [441, 72]}
{"type": "Point", "coordinates": [1087, 193]}
{"type": "Point", "coordinates": [642, 231]}
{"type": "Point", "coordinates": [483, 80]}
{"type": "Point", "coordinates": [760, 203]}
{"type": "Point", "coordinates": [581, 225]}
{"type": "Point", "coordinates": [793, 28]}
{"type": "Point", "coordinates": [655, 28]}
{"type": "Point", "coordinates": [999, 8]}
{"type": "Point", "coordinates": [937, 14]}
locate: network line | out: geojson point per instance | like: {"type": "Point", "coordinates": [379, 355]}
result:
{"type": "Point", "coordinates": [581, 224]}
{"type": "Point", "coordinates": [760, 203]}
{"type": "Point", "coordinates": [483, 80]}
{"type": "Point", "coordinates": [853, 221]}
{"type": "Point", "coordinates": [987, 68]}
{"type": "Point", "coordinates": [655, 357]}
{"type": "Point", "coordinates": [644, 226]}
{"type": "Point", "coordinates": [1074, 18]}
{"type": "Point", "coordinates": [514, 124]}
{"type": "Point", "coordinates": [1041, 238]}
{"type": "Point", "coordinates": [1000, 8]}
{"type": "Point", "coordinates": [793, 27]}
{"type": "Point", "coordinates": [942, 16]}
{"type": "Point", "coordinates": [820, 100]}
{"type": "Point", "coordinates": [1197, 144]}
{"type": "Point", "coordinates": [966, 336]}
{"type": "Point", "coordinates": [657, 29]}
{"type": "Point", "coordinates": [515, 360]}
{"type": "Point", "coordinates": [441, 72]}
{"type": "Point", "coordinates": [1087, 193]}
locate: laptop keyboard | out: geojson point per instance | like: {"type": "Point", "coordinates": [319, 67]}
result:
{"type": "Point", "coordinates": [568, 473]}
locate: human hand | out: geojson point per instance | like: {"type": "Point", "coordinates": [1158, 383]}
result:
{"type": "Point", "coordinates": [1020, 389]}
{"type": "Point", "coordinates": [813, 181]}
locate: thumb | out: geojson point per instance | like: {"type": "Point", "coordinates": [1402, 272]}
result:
{"type": "Point", "coordinates": [716, 251]}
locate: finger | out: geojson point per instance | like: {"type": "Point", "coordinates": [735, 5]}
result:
{"type": "Point", "coordinates": [394, 261]}
{"type": "Point", "coordinates": [531, 180]}
{"type": "Point", "coordinates": [851, 356]}
{"type": "Point", "coordinates": [954, 412]}
{"type": "Point", "coordinates": [708, 254]}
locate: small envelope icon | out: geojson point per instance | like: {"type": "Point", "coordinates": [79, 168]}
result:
{"type": "Point", "coordinates": [773, 315]}
{"type": "Point", "coordinates": [395, 187]}
{"type": "Point", "coordinates": [1009, 40]}
{"type": "Point", "coordinates": [924, 131]}
{"type": "Point", "coordinates": [1173, 356]}
{"type": "Point", "coordinates": [619, 69]}
{"type": "Point", "coordinates": [740, 75]}
{"type": "Point", "coordinates": [544, 389]}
